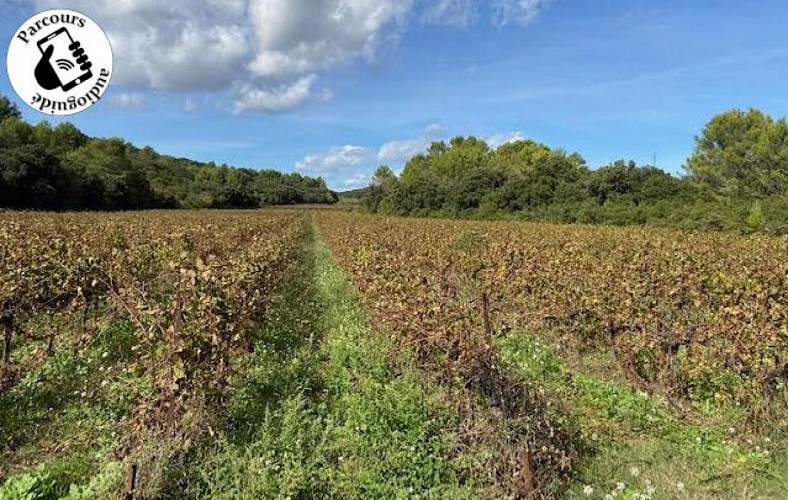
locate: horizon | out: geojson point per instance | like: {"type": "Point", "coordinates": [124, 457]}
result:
{"type": "Point", "coordinates": [284, 88]}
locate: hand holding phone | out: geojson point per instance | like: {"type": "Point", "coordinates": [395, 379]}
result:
{"type": "Point", "coordinates": [71, 65]}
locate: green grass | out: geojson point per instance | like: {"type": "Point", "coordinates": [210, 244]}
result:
{"type": "Point", "coordinates": [61, 421]}
{"type": "Point", "coordinates": [322, 410]}
{"type": "Point", "coordinates": [641, 447]}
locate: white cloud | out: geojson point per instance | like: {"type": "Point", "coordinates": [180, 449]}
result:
{"type": "Point", "coordinates": [294, 37]}
{"type": "Point", "coordinates": [128, 100]}
{"type": "Point", "coordinates": [345, 158]}
{"type": "Point", "coordinates": [343, 167]}
{"type": "Point", "coordinates": [266, 54]}
{"type": "Point", "coordinates": [335, 159]}
{"type": "Point", "coordinates": [282, 97]}
{"type": "Point", "coordinates": [349, 167]}
{"type": "Point", "coordinates": [400, 150]}
{"type": "Point", "coordinates": [497, 140]}
{"type": "Point", "coordinates": [357, 181]}
{"type": "Point", "coordinates": [172, 44]}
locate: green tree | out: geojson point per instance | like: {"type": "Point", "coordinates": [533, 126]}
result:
{"type": "Point", "coordinates": [520, 156]}
{"type": "Point", "coordinates": [383, 183]}
{"type": "Point", "coordinates": [8, 109]}
{"type": "Point", "coordinates": [473, 185]}
{"type": "Point", "coordinates": [67, 137]}
{"type": "Point", "coordinates": [15, 132]}
{"type": "Point", "coordinates": [106, 162]}
{"type": "Point", "coordinates": [31, 177]}
{"type": "Point", "coordinates": [742, 154]}
{"type": "Point", "coordinates": [627, 181]}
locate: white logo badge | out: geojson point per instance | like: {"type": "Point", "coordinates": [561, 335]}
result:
{"type": "Point", "coordinates": [60, 62]}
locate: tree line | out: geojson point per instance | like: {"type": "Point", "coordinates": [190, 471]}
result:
{"type": "Point", "coordinates": [60, 168]}
{"type": "Point", "coordinates": [736, 178]}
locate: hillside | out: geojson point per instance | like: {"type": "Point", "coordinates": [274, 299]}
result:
{"type": "Point", "coordinates": [60, 168]}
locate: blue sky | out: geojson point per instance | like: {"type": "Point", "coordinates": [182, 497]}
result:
{"type": "Point", "coordinates": [336, 87]}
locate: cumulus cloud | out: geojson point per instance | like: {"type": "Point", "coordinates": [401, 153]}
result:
{"type": "Point", "coordinates": [343, 167]}
{"type": "Point", "coordinates": [173, 44]}
{"type": "Point", "coordinates": [350, 167]}
{"type": "Point", "coordinates": [294, 37]}
{"type": "Point", "coordinates": [400, 150]}
{"type": "Point", "coordinates": [335, 159]}
{"type": "Point", "coordinates": [346, 159]}
{"type": "Point", "coordinates": [282, 97]}
{"type": "Point", "coordinates": [267, 55]}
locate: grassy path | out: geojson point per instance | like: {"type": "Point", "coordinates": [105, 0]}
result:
{"type": "Point", "coordinates": [322, 411]}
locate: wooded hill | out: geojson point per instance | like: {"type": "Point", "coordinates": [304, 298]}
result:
{"type": "Point", "coordinates": [60, 168]}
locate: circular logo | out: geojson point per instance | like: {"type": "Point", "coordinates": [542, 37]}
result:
{"type": "Point", "coordinates": [60, 62]}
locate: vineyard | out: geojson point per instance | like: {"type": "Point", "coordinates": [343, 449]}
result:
{"type": "Point", "coordinates": [699, 316]}
{"type": "Point", "coordinates": [170, 298]}
{"type": "Point", "coordinates": [297, 353]}
{"type": "Point", "coordinates": [693, 319]}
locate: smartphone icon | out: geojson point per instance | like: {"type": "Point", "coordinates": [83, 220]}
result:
{"type": "Point", "coordinates": [68, 70]}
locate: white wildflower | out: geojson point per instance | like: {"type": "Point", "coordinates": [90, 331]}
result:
{"type": "Point", "coordinates": [680, 486]}
{"type": "Point", "coordinates": [588, 490]}
{"type": "Point", "coordinates": [634, 471]}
